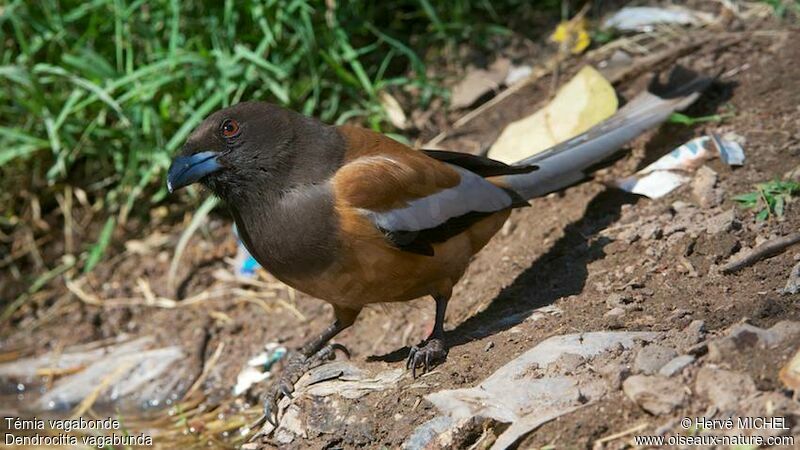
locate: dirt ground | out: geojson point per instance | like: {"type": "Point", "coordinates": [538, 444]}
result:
{"type": "Point", "coordinates": [593, 257]}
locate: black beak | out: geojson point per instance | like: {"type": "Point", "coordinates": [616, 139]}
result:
{"type": "Point", "coordinates": [186, 170]}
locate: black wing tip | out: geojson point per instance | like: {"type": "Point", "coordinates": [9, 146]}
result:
{"type": "Point", "coordinates": [481, 165]}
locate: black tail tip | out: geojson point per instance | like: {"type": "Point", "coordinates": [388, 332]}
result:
{"type": "Point", "coordinates": [680, 82]}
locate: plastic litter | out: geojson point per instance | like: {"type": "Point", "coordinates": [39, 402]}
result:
{"type": "Point", "coordinates": [645, 18]}
{"type": "Point", "coordinates": [244, 263]}
{"type": "Point", "coordinates": [257, 368]}
{"type": "Point", "coordinates": [132, 370]}
{"type": "Point", "coordinates": [674, 169]}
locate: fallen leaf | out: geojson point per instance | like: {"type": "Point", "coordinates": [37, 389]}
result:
{"type": "Point", "coordinates": [393, 110]}
{"type": "Point", "coordinates": [583, 102]}
{"type": "Point", "coordinates": [478, 83]}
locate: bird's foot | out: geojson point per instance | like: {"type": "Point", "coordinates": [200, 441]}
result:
{"type": "Point", "coordinates": [428, 355]}
{"type": "Point", "coordinates": [296, 366]}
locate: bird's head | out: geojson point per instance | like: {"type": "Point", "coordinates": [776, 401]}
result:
{"type": "Point", "coordinates": [234, 148]}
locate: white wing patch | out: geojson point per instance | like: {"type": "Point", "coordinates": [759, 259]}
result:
{"type": "Point", "coordinates": [472, 194]}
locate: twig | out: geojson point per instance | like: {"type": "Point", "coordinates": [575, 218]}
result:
{"type": "Point", "coordinates": [212, 361]}
{"type": "Point", "coordinates": [43, 279]}
{"type": "Point", "coordinates": [160, 302]}
{"type": "Point", "coordinates": [615, 436]}
{"type": "Point", "coordinates": [65, 204]}
{"type": "Point", "coordinates": [58, 371]}
{"type": "Point", "coordinates": [197, 219]}
{"type": "Point", "coordinates": [765, 250]}
{"type": "Point", "coordinates": [19, 253]}
{"type": "Point", "coordinates": [89, 400]}
{"type": "Point", "coordinates": [649, 62]}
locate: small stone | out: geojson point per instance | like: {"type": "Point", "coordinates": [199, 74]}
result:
{"type": "Point", "coordinates": [676, 365]}
{"type": "Point", "coordinates": [655, 394]}
{"type": "Point", "coordinates": [615, 374]}
{"type": "Point", "coordinates": [793, 283]}
{"type": "Point", "coordinates": [703, 188]}
{"type": "Point", "coordinates": [617, 300]}
{"type": "Point", "coordinates": [629, 235]}
{"type": "Point", "coordinates": [689, 336]}
{"type": "Point", "coordinates": [784, 331]}
{"type": "Point", "coordinates": [678, 314]}
{"type": "Point", "coordinates": [696, 328]}
{"type": "Point", "coordinates": [723, 388]}
{"type": "Point", "coordinates": [723, 222]}
{"type": "Point", "coordinates": [652, 231]}
{"type": "Point", "coordinates": [790, 373]}
{"type": "Point", "coordinates": [489, 346]}
{"type": "Point", "coordinates": [744, 336]}
{"type": "Point", "coordinates": [651, 358]}
{"type": "Point", "coordinates": [615, 312]}
{"type": "Point", "coordinates": [681, 206]}
{"type": "Point", "coordinates": [698, 349]}
{"type": "Point", "coordinates": [793, 175]}
{"type": "Point", "coordinates": [508, 227]}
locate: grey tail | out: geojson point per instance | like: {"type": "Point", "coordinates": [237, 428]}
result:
{"type": "Point", "coordinates": [571, 161]}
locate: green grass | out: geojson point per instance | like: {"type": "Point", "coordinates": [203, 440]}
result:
{"type": "Point", "coordinates": [99, 94]}
{"type": "Point", "coordinates": [782, 7]}
{"type": "Point", "coordinates": [769, 198]}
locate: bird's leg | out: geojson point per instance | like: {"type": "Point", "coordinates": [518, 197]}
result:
{"type": "Point", "coordinates": [433, 350]}
{"type": "Point", "coordinates": [313, 354]}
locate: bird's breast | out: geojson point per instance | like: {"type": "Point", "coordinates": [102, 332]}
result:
{"type": "Point", "coordinates": [294, 236]}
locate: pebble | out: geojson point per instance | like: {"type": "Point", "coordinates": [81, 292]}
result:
{"type": "Point", "coordinates": [723, 388]}
{"type": "Point", "coordinates": [744, 336]}
{"type": "Point", "coordinates": [617, 300]}
{"type": "Point", "coordinates": [676, 365]}
{"type": "Point", "coordinates": [651, 358]}
{"type": "Point", "coordinates": [615, 374]}
{"type": "Point", "coordinates": [615, 312]}
{"type": "Point", "coordinates": [723, 222]}
{"type": "Point", "coordinates": [793, 283]}
{"type": "Point", "coordinates": [655, 394]}
{"type": "Point", "coordinates": [652, 231]}
{"type": "Point", "coordinates": [703, 188]}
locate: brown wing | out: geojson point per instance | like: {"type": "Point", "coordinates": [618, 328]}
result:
{"type": "Point", "coordinates": [413, 199]}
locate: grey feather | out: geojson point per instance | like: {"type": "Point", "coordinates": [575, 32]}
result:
{"type": "Point", "coordinates": [566, 163]}
{"type": "Point", "coordinates": [472, 194]}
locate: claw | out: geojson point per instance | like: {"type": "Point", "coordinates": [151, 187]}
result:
{"type": "Point", "coordinates": [425, 356]}
{"type": "Point", "coordinates": [295, 367]}
{"type": "Point", "coordinates": [410, 360]}
{"type": "Point", "coordinates": [286, 389]}
{"type": "Point", "coordinates": [341, 348]}
{"type": "Point", "coordinates": [269, 406]}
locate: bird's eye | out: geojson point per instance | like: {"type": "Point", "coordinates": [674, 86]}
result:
{"type": "Point", "coordinates": [230, 128]}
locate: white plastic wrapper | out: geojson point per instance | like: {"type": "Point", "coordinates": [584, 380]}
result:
{"type": "Point", "coordinates": [674, 169]}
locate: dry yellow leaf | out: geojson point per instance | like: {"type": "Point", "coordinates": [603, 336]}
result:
{"type": "Point", "coordinates": [586, 100]}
